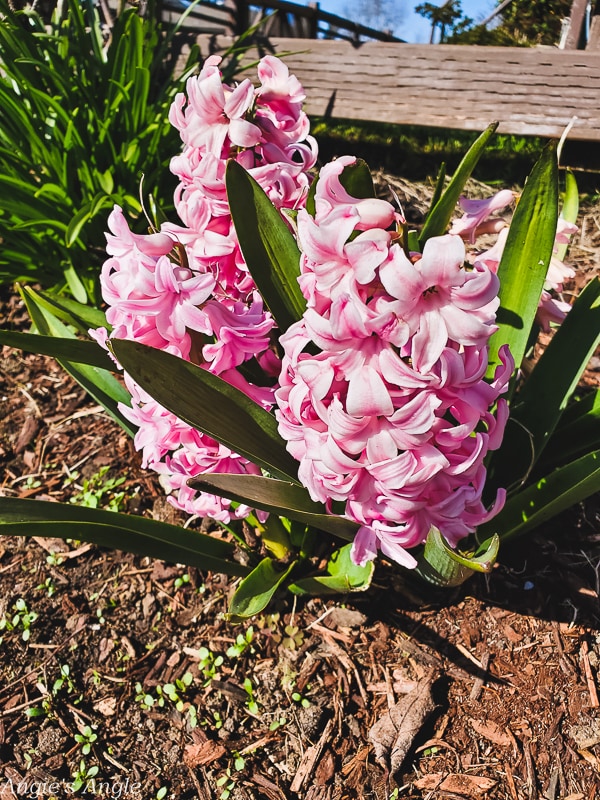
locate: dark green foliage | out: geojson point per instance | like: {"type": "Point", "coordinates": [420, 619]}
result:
{"type": "Point", "coordinates": [523, 23]}
{"type": "Point", "coordinates": [83, 122]}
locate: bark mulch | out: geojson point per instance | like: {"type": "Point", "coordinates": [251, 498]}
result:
{"type": "Point", "coordinates": [120, 676]}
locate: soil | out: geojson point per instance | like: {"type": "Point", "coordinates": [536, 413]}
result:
{"type": "Point", "coordinates": [120, 676]}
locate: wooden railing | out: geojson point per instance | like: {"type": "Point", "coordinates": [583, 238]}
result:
{"type": "Point", "coordinates": [281, 19]}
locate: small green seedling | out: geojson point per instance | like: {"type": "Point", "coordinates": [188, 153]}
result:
{"type": "Point", "coordinates": [251, 703]}
{"type": "Point", "coordinates": [243, 641]}
{"type": "Point", "coordinates": [208, 664]}
{"type": "Point", "coordinates": [47, 586]}
{"type": "Point", "coordinates": [22, 618]}
{"type": "Point", "coordinates": [182, 580]}
{"type": "Point", "coordinates": [86, 739]}
{"type": "Point", "coordinates": [83, 775]}
{"type": "Point", "coordinates": [98, 491]}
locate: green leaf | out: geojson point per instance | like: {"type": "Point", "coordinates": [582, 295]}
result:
{"type": "Point", "coordinates": [98, 383]}
{"type": "Point", "coordinates": [546, 392]}
{"type": "Point", "coordinates": [79, 315]}
{"type": "Point", "coordinates": [256, 590]}
{"type": "Point", "coordinates": [549, 496]}
{"type": "Point", "coordinates": [74, 283]}
{"type": "Point", "coordinates": [357, 180]}
{"type": "Point", "coordinates": [343, 576]}
{"type": "Point", "coordinates": [570, 209]}
{"type": "Point", "coordinates": [268, 246]}
{"type": "Point", "coordinates": [526, 259]}
{"type": "Point", "coordinates": [117, 531]}
{"type": "Point", "coordinates": [276, 496]}
{"type": "Point", "coordinates": [577, 433]}
{"type": "Point", "coordinates": [62, 349]}
{"type": "Point", "coordinates": [209, 404]}
{"type": "Point", "coordinates": [440, 215]}
{"type": "Point", "coordinates": [275, 537]}
{"type": "Point", "coordinates": [439, 186]}
{"type": "Point", "coordinates": [445, 567]}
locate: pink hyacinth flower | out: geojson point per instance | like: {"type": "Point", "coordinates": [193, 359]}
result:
{"type": "Point", "coordinates": [474, 220]}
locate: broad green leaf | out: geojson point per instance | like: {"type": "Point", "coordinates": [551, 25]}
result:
{"type": "Point", "coordinates": [570, 208]}
{"type": "Point", "coordinates": [357, 180]}
{"type": "Point", "coordinates": [278, 497]}
{"type": "Point", "coordinates": [275, 537]}
{"type": "Point", "coordinates": [62, 349]}
{"type": "Point", "coordinates": [98, 383]}
{"type": "Point", "coordinates": [546, 392]}
{"type": "Point", "coordinates": [256, 590]}
{"type": "Point", "coordinates": [209, 404]}
{"type": "Point", "coordinates": [268, 246]}
{"type": "Point", "coordinates": [441, 565]}
{"type": "Point", "coordinates": [577, 433]}
{"type": "Point", "coordinates": [526, 259]}
{"type": "Point", "coordinates": [549, 496]}
{"type": "Point", "coordinates": [343, 576]}
{"type": "Point", "coordinates": [440, 215]}
{"type": "Point", "coordinates": [127, 532]}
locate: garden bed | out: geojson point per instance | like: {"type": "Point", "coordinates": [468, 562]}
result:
{"type": "Point", "coordinates": [495, 683]}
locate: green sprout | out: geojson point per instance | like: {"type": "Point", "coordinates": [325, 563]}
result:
{"type": "Point", "coordinates": [208, 664]}
{"type": "Point", "coordinates": [98, 491]}
{"type": "Point", "coordinates": [83, 775]}
{"type": "Point", "coordinates": [242, 643]}
{"type": "Point", "coordinates": [251, 703]}
{"type": "Point", "coordinates": [86, 739]}
{"type": "Point", "coordinates": [22, 618]}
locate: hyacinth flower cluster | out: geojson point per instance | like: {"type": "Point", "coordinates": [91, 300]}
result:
{"type": "Point", "coordinates": [186, 289]}
{"type": "Point", "coordinates": [478, 220]}
{"type": "Point", "coordinates": [382, 397]}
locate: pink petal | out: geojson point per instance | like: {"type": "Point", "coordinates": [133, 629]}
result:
{"type": "Point", "coordinates": [368, 395]}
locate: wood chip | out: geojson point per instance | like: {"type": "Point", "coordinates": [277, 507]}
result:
{"type": "Point", "coordinates": [107, 706]}
{"type": "Point", "coordinates": [591, 684]}
{"type": "Point", "coordinates": [270, 790]}
{"type": "Point", "coordinates": [392, 736]}
{"type": "Point", "coordinates": [465, 785]}
{"type": "Point", "coordinates": [492, 732]}
{"type": "Point", "coordinates": [310, 758]}
{"type": "Point", "coordinates": [200, 755]}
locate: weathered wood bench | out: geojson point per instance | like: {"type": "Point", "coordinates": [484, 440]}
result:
{"type": "Point", "coordinates": [531, 91]}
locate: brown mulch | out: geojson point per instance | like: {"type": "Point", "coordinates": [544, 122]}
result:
{"type": "Point", "coordinates": [488, 691]}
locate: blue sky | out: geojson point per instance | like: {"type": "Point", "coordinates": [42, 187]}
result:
{"type": "Point", "coordinates": [413, 27]}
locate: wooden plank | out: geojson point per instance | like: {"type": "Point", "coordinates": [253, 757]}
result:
{"type": "Point", "coordinates": [576, 21]}
{"type": "Point", "coordinates": [530, 91]}
{"type": "Point", "coordinates": [593, 42]}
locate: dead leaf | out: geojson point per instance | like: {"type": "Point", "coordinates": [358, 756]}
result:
{"type": "Point", "coordinates": [491, 731]}
{"type": "Point", "coordinates": [392, 736]}
{"type": "Point", "coordinates": [107, 706]}
{"type": "Point", "coordinates": [472, 786]}
{"type": "Point", "coordinates": [346, 618]}
{"type": "Point", "coordinates": [199, 755]}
